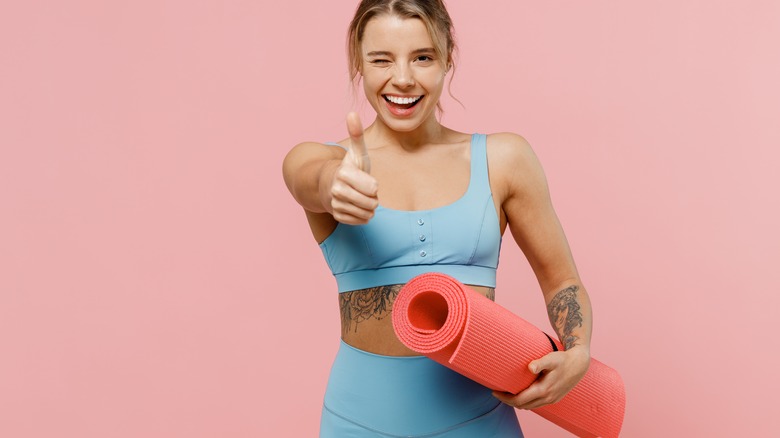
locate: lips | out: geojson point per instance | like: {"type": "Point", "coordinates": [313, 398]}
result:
{"type": "Point", "coordinates": [401, 100]}
{"type": "Point", "coordinates": [401, 105]}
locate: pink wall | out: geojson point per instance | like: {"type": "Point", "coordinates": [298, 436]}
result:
{"type": "Point", "coordinates": [156, 279]}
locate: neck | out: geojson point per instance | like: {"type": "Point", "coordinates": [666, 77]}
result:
{"type": "Point", "coordinates": [430, 131]}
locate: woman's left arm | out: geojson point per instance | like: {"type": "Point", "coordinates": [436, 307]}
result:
{"type": "Point", "coordinates": [528, 211]}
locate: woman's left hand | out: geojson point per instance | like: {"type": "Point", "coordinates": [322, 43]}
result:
{"type": "Point", "coordinates": [558, 371]}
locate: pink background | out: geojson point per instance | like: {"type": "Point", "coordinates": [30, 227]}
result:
{"type": "Point", "coordinates": [157, 280]}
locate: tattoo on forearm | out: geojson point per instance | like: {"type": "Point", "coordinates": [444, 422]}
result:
{"type": "Point", "coordinates": [491, 294]}
{"type": "Point", "coordinates": [361, 305]}
{"type": "Point", "coordinates": [564, 311]}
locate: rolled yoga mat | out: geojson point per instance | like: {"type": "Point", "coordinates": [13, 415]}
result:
{"type": "Point", "coordinates": [437, 316]}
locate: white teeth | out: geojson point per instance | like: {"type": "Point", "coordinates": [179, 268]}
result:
{"type": "Point", "coordinates": [403, 100]}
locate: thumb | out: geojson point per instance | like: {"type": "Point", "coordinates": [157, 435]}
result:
{"type": "Point", "coordinates": [357, 145]}
{"type": "Point", "coordinates": [541, 364]}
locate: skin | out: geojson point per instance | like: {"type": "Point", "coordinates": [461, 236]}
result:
{"type": "Point", "coordinates": [334, 185]}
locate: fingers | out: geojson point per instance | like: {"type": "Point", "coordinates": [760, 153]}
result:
{"type": "Point", "coordinates": [353, 191]}
{"type": "Point", "coordinates": [545, 362]}
{"type": "Point", "coordinates": [349, 219]}
{"type": "Point", "coordinates": [358, 145]}
{"type": "Point", "coordinates": [545, 390]}
{"type": "Point", "coordinates": [353, 196]}
{"type": "Point", "coordinates": [534, 396]}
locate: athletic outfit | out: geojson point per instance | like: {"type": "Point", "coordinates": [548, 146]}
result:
{"type": "Point", "coordinates": [371, 395]}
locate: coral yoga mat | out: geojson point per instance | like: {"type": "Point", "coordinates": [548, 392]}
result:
{"type": "Point", "coordinates": [439, 317]}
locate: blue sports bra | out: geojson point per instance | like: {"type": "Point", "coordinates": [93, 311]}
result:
{"type": "Point", "coordinates": [461, 239]}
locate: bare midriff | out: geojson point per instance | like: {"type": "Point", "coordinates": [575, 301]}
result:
{"type": "Point", "coordinates": [366, 321]}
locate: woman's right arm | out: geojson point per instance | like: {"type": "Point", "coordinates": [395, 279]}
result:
{"type": "Point", "coordinates": [306, 168]}
{"type": "Point", "coordinates": [326, 179]}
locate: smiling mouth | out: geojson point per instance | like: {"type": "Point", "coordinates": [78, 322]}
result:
{"type": "Point", "coordinates": [403, 102]}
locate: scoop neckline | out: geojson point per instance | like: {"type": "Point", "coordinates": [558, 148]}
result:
{"type": "Point", "coordinates": [456, 201]}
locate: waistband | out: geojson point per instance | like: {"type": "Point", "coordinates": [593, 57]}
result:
{"type": "Point", "coordinates": [402, 395]}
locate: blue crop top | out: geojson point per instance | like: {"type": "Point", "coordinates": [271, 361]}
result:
{"type": "Point", "coordinates": [462, 239]}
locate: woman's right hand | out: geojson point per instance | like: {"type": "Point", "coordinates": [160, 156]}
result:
{"type": "Point", "coordinates": [353, 191]}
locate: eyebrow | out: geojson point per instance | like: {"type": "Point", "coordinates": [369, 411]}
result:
{"type": "Point", "coordinates": [414, 52]}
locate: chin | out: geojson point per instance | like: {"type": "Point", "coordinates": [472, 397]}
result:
{"type": "Point", "coordinates": [403, 124]}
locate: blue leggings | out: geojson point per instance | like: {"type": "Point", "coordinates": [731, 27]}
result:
{"type": "Point", "coordinates": [371, 395]}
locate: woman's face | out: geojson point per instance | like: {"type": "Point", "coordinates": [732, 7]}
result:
{"type": "Point", "coordinates": [402, 77]}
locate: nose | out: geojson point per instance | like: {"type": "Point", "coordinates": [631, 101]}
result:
{"type": "Point", "coordinates": [403, 76]}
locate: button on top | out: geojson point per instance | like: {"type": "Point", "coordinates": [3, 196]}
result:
{"type": "Point", "coordinates": [422, 237]}
{"type": "Point", "coordinates": [420, 222]}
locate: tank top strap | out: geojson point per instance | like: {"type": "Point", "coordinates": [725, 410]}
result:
{"type": "Point", "coordinates": [479, 165]}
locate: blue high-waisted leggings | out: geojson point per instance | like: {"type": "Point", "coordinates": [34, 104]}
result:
{"type": "Point", "coordinates": [371, 395]}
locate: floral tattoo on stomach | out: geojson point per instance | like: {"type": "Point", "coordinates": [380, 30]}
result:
{"type": "Point", "coordinates": [375, 302]}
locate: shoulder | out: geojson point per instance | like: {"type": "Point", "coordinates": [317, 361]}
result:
{"type": "Point", "coordinates": [515, 171]}
{"type": "Point", "coordinates": [334, 150]}
{"type": "Point", "coordinates": [310, 151]}
{"type": "Point", "coordinates": [511, 152]}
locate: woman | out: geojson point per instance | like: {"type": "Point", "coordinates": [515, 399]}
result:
{"type": "Point", "coordinates": [432, 199]}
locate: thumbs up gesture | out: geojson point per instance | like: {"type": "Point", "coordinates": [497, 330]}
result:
{"type": "Point", "coordinates": [353, 191]}
{"type": "Point", "coordinates": [357, 145]}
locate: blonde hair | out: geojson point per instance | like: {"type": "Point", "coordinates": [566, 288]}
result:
{"type": "Point", "coordinates": [432, 13]}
